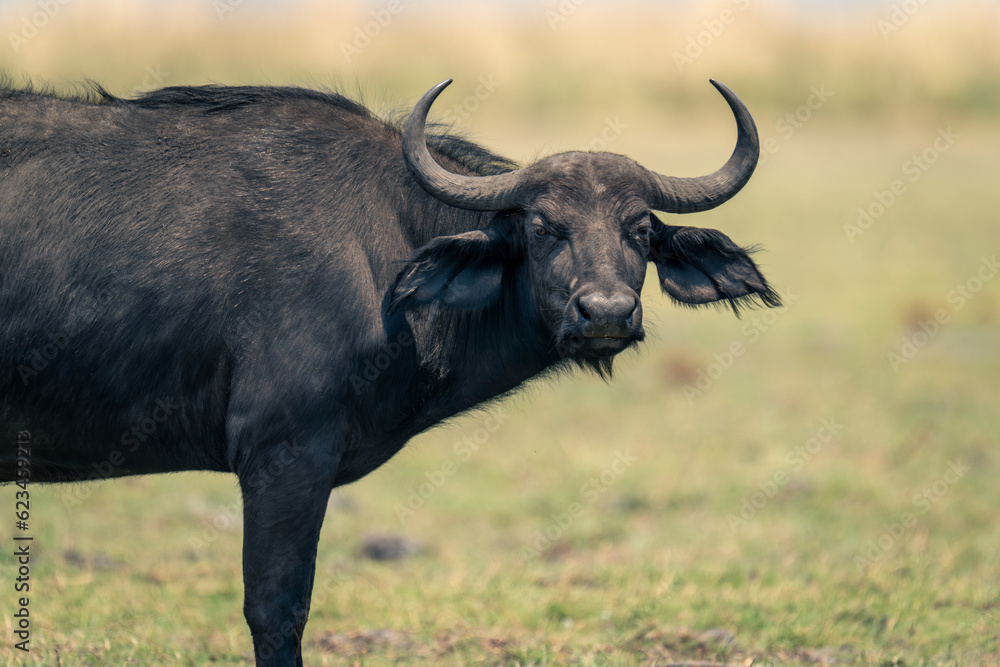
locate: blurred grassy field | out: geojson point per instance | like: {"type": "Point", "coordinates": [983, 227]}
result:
{"type": "Point", "coordinates": [738, 530]}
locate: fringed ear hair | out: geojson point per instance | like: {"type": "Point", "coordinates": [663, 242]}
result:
{"type": "Point", "coordinates": [703, 266]}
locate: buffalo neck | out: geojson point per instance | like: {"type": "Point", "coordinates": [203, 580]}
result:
{"type": "Point", "coordinates": [442, 361]}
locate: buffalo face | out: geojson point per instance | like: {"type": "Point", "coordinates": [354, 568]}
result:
{"type": "Point", "coordinates": [586, 237]}
{"type": "Point", "coordinates": [578, 228]}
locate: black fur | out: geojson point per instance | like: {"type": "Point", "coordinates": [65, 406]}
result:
{"type": "Point", "coordinates": [202, 279]}
{"type": "Point", "coordinates": [703, 266]}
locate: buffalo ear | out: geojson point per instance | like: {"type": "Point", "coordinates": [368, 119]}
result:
{"type": "Point", "coordinates": [461, 271]}
{"type": "Point", "coordinates": [699, 266]}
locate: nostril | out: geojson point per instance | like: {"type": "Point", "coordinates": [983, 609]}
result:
{"type": "Point", "coordinates": [584, 313]}
{"type": "Point", "coordinates": [631, 314]}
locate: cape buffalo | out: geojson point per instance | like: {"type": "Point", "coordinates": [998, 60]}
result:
{"type": "Point", "coordinates": [199, 278]}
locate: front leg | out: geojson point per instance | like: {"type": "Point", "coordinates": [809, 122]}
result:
{"type": "Point", "coordinates": [285, 493]}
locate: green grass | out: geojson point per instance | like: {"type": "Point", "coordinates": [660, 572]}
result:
{"type": "Point", "coordinates": [652, 571]}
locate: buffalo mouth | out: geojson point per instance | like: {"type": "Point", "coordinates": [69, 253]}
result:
{"type": "Point", "coordinates": [595, 347]}
{"type": "Point", "coordinates": [606, 345]}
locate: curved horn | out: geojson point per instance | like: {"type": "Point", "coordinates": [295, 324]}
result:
{"type": "Point", "coordinates": [477, 193]}
{"type": "Point", "coordinates": [690, 195]}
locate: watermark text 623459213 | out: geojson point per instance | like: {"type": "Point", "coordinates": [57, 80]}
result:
{"type": "Point", "coordinates": [22, 544]}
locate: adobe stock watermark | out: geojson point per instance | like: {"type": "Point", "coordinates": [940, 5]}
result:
{"type": "Point", "coordinates": [698, 43]}
{"type": "Point", "coordinates": [287, 453]}
{"type": "Point", "coordinates": [612, 130]}
{"type": "Point", "coordinates": [260, 311]}
{"type": "Point", "coordinates": [371, 29]}
{"type": "Point", "coordinates": [795, 460]}
{"type": "Point", "coordinates": [913, 169]}
{"type": "Point", "coordinates": [652, 603]}
{"type": "Point", "coordinates": [874, 550]}
{"type": "Point", "coordinates": [795, 120]}
{"type": "Point", "coordinates": [32, 23]}
{"type": "Point", "coordinates": [752, 330]}
{"type": "Point", "coordinates": [374, 366]}
{"type": "Point", "coordinates": [84, 311]}
{"type": "Point", "coordinates": [137, 434]}
{"type": "Point", "coordinates": [223, 7]}
{"type": "Point", "coordinates": [899, 16]}
{"type": "Point", "coordinates": [926, 330]}
{"type": "Point", "coordinates": [154, 77]}
{"type": "Point", "coordinates": [463, 450]}
{"type": "Point", "coordinates": [590, 491]}
{"type": "Point", "coordinates": [562, 12]}
{"type": "Point", "coordinates": [460, 111]}
{"type": "Point", "coordinates": [228, 518]}
{"type": "Point", "coordinates": [21, 621]}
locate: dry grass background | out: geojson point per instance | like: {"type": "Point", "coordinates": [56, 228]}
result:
{"type": "Point", "coordinates": [652, 572]}
{"type": "Point", "coordinates": [549, 55]}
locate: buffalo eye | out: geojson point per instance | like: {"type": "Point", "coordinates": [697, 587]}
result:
{"type": "Point", "coordinates": [643, 231]}
{"type": "Point", "coordinates": [541, 229]}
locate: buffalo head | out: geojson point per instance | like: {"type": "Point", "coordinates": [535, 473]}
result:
{"type": "Point", "coordinates": [581, 227]}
